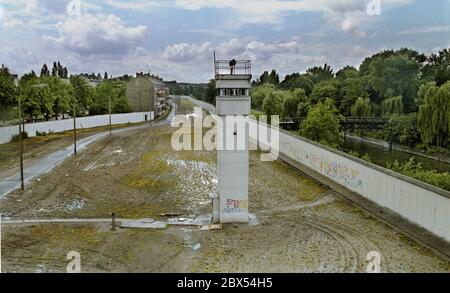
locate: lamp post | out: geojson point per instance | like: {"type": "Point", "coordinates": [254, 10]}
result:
{"type": "Point", "coordinates": [22, 184]}
{"type": "Point", "coordinates": [75, 127]}
{"type": "Point", "coordinates": [119, 85]}
{"type": "Point", "coordinates": [75, 121]}
{"type": "Point", "coordinates": [21, 132]}
{"type": "Point", "coordinates": [109, 111]}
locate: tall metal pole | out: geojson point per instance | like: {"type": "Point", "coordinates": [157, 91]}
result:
{"type": "Point", "coordinates": [110, 124]}
{"type": "Point", "coordinates": [74, 129]}
{"type": "Point", "coordinates": [22, 185]}
{"type": "Point", "coordinates": [21, 132]}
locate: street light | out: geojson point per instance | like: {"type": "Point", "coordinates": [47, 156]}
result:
{"type": "Point", "coordinates": [21, 131]}
{"type": "Point", "coordinates": [75, 126]}
{"type": "Point", "coordinates": [119, 85]}
{"type": "Point", "coordinates": [22, 185]}
{"type": "Point", "coordinates": [75, 121]}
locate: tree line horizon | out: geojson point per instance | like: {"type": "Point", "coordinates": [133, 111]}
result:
{"type": "Point", "coordinates": [412, 89]}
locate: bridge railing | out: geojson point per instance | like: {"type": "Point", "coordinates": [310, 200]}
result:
{"type": "Point", "coordinates": [346, 122]}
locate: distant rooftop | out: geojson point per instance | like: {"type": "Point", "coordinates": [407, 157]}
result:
{"type": "Point", "coordinates": [153, 78]}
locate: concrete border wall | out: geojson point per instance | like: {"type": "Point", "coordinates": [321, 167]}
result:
{"type": "Point", "coordinates": [6, 133]}
{"type": "Point", "coordinates": [419, 202]}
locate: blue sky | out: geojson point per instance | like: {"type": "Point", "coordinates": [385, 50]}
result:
{"type": "Point", "coordinates": [176, 38]}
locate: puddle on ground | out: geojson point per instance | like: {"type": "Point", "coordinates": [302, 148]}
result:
{"type": "Point", "coordinates": [110, 159]}
{"type": "Point", "coordinates": [69, 206]}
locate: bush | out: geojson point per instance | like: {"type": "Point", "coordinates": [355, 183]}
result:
{"type": "Point", "coordinates": [415, 170]}
{"type": "Point", "coordinates": [16, 137]}
{"type": "Point", "coordinates": [39, 133]}
{"type": "Point", "coordinates": [403, 129]}
{"type": "Point", "coordinates": [365, 157]}
{"type": "Point", "coordinates": [322, 124]}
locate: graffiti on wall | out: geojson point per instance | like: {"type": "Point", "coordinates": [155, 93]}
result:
{"type": "Point", "coordinates": [342, 173]}
{"type": "Point", "coordinates": [234, 205]}
{"type": "Point", "coordinates": [292, 150]}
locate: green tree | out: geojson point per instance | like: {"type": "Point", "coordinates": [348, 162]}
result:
{"type": "Point", "coordinates": [37, 99]}
{"type": "Point", "coordinates": [271, 78]}
{"type": "Point", "coordinates": [350, 90]}
{"type": "Point", "coordinates": [434, 116]}
{"type": "Point", "coordinates": [55, 69]}
{"type": "Point", "coordinates": [324, 90]}
{"type": "Point", "coordinates": [65, 73]}
{"type": "Point", "coordinates": [402, 129]}
{"type": "Point", "coordinates": [426, 89]}
{"type": "Point", "coordinates": [297, 81]}
{"type": "Point", "coordinates": [303, 109]}
{"type": "Point", "coordinates": [272, 105]}
{"type": "Point", "coordinates": [274, 78]}
{"type": "Point", "coordinates": [116, 91]}
{"type": "Point", "coordinates": [26, 78]}
{"type": "Point", "coordinates": [361, 108]}
{"type": "Point", "coordinates": [60, 69]}
{"type": "Point", "coordinates": [396, 75]}
{"type": "Point", "coordinates": [45, 71]}
{"type": "Point", "coordinates": [322, 124]}
{"type": "Point", "coordinates": [319, 73]}
{"type": "Point", "coordinates": [83, 93]}
{"type": "Point", "coordinates": [438, 67]}
{"type": "Point", "coordinates": [364, 68]}
{"type": "Point", "coordinates": [347, 72]}
{"type": "Point", "coordinates": [121, 105]}
{"type": "Point", "coordinates": [62, 95]}
{"type": "Point", "coordinates": [259, 93]}
{"type": "Point", "coordinates": [290, 104]}
{"type": "Point", "coordinates": [392, 106]}
{"type": "Point", "coordinates": [8, 89]}
{"type": "Point", "coordinates": [211, 92]}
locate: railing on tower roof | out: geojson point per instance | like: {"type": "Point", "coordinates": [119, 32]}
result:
{"type": "Point", "coordinates": [233, 67]}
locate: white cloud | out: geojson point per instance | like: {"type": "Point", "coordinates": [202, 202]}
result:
{"type": "Point", "coordinates": [193, 62]}
{"type": "Point", "coordinates": [9, 21]}
{"type": "Point", "coordinates": [20, 59]}
{"type": "Point", "coordinates": [428, 29]}
{"type": "Point", "coordinates": [233, 48]}
{"type": "Point", "coordinates": [99, 34]}
{"type": "Point", "coordinates": [347, 15]}
{"type": "Point", "coordinates": [136, 5]}
{"type": "Point", "coordinates": [187, 52]}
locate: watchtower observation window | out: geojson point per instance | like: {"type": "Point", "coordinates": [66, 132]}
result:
{"type": "Point", "coordinates": [232, 92]}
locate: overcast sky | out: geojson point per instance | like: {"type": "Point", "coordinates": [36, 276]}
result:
{"type": "Point", "coordinates": [176, 38]}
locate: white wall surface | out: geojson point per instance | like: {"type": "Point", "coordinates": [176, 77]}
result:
{"type": "Point", "coordinates": [6, 133]}
{"type": "Point", "coordinates": [239, 105]}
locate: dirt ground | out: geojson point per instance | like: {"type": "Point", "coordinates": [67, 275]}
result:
{"type": "Point", "coordinates": [299, 227]}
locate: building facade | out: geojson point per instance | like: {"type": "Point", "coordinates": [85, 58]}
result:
{"type": "Point", "coordinates": [147, 92]}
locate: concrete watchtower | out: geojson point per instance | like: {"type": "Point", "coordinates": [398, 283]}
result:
{"type": "Point", "coordinates": [233, 83]}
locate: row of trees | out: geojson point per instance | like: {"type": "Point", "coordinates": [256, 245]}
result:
{"type": "Point", "coordinates": [57, 70]}
{"type": "Point", "coordinates": [403, 85]}
{"type": "Point", "coordinates": [50, 96]}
